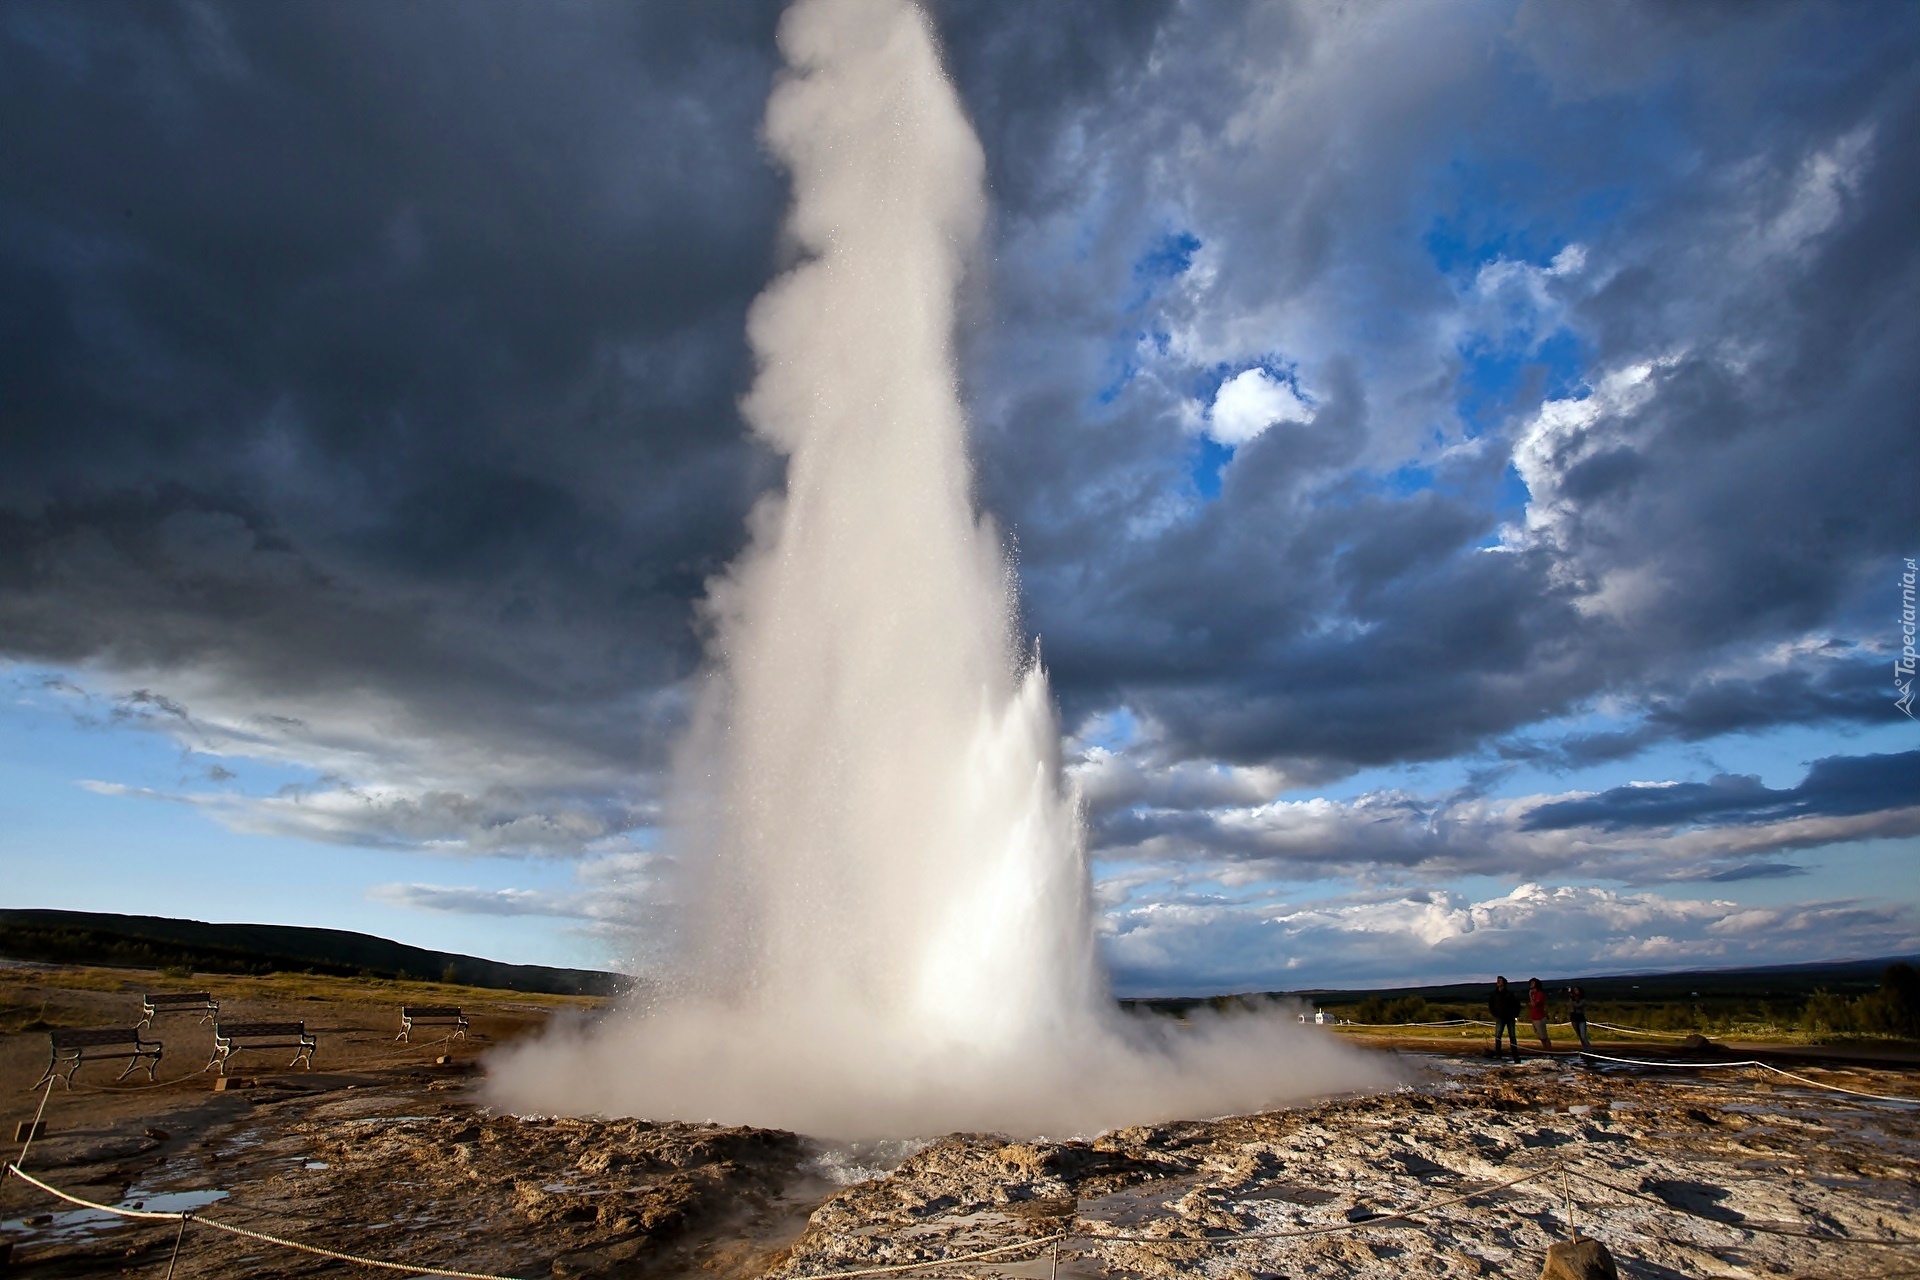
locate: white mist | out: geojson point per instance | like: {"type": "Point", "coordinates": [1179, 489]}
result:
{"type": "Point", "coordinates": [884, 924]}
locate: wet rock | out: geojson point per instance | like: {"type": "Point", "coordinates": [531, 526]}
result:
{"type": "Point", "coordinates": [1052, 1212]}
{"type": "Point", "coordinates": [1206, 1207]}
{"type": "Point", "coordinates": [1582, 1259]}
{"type": "Point", "coordinates": [596, 1162]}
{"type": "Point", "coordinates": [542, 1206]}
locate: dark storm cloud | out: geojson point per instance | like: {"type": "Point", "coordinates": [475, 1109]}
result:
{"type": "Point", "coordinates": [1838, 786]}
{"type": "Point", "coordinates": [1745, 294]}
{"type": "Point", "coordinates": [1757, 871]}
{"type": "Point", "coordinates": [369, 378]}
{"type": "Point", "coordinates": [354, 346]}
{"type": "Point", "coordinates": [1732, 829]}
{"type": "Point", "coordinates": [370, 373]}
{"type": "Point", "coordinates": [1029, 72]}
{"type": "Point", "coordinates": [1844, 690]}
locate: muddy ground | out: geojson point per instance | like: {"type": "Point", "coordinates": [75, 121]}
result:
{"type": "Point", "coordinates": [383, 1151]}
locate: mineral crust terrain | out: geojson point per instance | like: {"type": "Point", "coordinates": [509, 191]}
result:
{"type": "Point", "coordinates": [385, 1150]}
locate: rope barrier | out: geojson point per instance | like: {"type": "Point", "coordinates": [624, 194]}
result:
{"type": "Point", "coordinates": [1818, 1084]}
{"type": "Point", "coordinates": [228, 1227]}
{"type": "Point", "coordinates": [283, 1242]}
{"type": "Point", "coordinates": [129, 1088]}
{"type": "Point", "coordinates": [938, 1262]}
{"type": "Point", "coordinates": [1753, 1062]}
{"type": "Point", "coordinates": [1483, 1022]}
{"type": "Point", "coordinates": [34, 1127]}
{"type": "Point", "coordinates": [145, 1215]}
{"type": "Point", "coordinates": [1373, 1220]}
{"type": "Point", "coordinates": [1637, 1031]}
{"type": "Point", "coordinates": [1095, 1238]}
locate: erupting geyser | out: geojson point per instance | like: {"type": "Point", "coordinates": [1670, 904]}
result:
{"type": "Point", "coordinates": [884, 925]}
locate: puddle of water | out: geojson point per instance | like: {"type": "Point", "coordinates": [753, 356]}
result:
{"type": "Point", "coordinates": [72, 1224]}
{"type": "Point", "coordinates": [1136, 1206]}
{"type": "Point", "coordinates": [1292, 1195]}
{"type": "Point", "coordinates": [314, 1165]}
{"type": "Point", "coordinates": [176, 1201]}
{"type": "Point", "coordinates": [385, 1119]}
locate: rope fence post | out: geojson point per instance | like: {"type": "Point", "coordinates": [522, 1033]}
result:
{"type": "Point", "coordinates": [34, 1126]}
{"type": "Point", "coordinates": [178, 1236]}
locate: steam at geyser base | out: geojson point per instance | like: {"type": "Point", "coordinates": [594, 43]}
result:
{"type": "Point", "coordinates": [882, 899]}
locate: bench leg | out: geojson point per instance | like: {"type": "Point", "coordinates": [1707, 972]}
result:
{"type": "Point", "coordinates": [218, 1059]}
{"type": "Point", "coordinates": [460, 1034]}
{"type": "Point", "coordinates": [405, 1034]}
{"type": "Point", "coordinates": [306, 1054]}
{"type": "Point", "coordinates": [46, 1077]}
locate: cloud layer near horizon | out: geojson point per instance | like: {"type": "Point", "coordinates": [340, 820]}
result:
{"type": "Point", "coordinates": [1493, 387]}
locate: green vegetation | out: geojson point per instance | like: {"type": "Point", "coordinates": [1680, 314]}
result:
{"type": "Point", "coordinates": [1713, 1005]}
{"type": "Point", "coordinates": [1820, 1002]}
{"type": "Point", "coordinates": [1893, 1010]}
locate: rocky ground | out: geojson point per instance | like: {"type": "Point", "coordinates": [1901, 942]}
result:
{"type": "Point", "coordinates": [385, 1152]}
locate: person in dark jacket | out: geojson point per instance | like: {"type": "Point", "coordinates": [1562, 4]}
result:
{"type": "Point", "coordinates": [1577, 1013]}
{"type": "Point", "coordinates": [1504, 1005]}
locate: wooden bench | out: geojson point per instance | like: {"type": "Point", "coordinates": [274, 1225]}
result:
{"type": "Point", "coordinates": [431, 1015]}
{"type": "Point", "coordinates": [70, 1049]}
{"type": "Point", "coordinates": [153, 1004]}
{"type": "Point", "coordinates": [230, 1038]}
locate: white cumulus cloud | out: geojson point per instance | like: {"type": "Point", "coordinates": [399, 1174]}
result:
{"type": "Point", "coordinates": [1250, 402]}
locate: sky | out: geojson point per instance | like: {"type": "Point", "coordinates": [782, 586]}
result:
{"type": "Point", "coordinates": [1460, 457]}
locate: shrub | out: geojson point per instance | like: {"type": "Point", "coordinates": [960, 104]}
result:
{"type": "Point", "coordinates": [1828, 1012]}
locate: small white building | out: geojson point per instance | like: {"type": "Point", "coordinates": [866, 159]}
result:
{"type": "Point", "coordinates": [1318, 1018]}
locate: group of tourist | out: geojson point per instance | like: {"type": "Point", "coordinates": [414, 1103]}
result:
{"type": "Point", "coordinates": [1504, 1004]}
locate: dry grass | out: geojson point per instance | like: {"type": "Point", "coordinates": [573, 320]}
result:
{"type": "Point", "coordinates": [27, 995]}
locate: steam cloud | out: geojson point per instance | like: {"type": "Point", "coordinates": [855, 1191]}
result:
{"type": "Point", "coordinates": [883, 917]}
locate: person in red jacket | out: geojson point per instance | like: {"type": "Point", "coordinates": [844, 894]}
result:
{"type": "Point", "coordinates": [1537, 1011]}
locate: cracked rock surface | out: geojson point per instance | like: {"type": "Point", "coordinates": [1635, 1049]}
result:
{"type": "Point", "coordinates": [1675, 1177]}
{"type": "Point", "coordinates": [1679, 1176]}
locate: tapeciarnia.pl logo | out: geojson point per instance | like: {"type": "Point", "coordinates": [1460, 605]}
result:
{"type": "Point", "coordinates": [1903, 665]}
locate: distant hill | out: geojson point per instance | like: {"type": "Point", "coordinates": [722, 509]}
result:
{"type": "Point", "coordinates": [151, 942]}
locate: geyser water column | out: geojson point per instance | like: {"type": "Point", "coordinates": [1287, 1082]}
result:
{"type": "Point", "coordinates": [882, 909]}
{"type": "Point", "coordinates": [884, 831]}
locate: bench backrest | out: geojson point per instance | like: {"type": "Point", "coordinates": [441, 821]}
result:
{"type": "Point", "coordinates": [76, 1039]}
{"type": "Point", "coordinates": [228, 1030]}
{"type": "Point", "coordinates": [429, 1011]}
{"type": "Point", "coordinates": [179, 997]}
